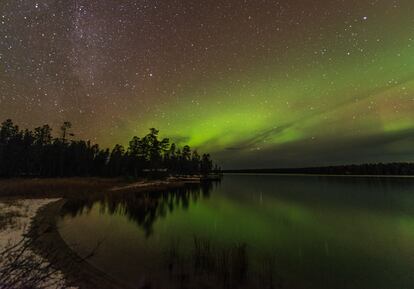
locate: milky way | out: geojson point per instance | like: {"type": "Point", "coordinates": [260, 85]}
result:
{"type": "Point", "coordinates": [256, 83]}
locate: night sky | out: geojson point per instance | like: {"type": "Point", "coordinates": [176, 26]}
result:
{"type": "Point", "coordinates": [257, 83]}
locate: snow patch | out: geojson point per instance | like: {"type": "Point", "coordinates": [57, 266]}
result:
{"type": "Point", "coordinates": [15, 220]}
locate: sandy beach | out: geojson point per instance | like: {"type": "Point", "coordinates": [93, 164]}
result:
{"type": "Point", "coordinates": [33, 252]}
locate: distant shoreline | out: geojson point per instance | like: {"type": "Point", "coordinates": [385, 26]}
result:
{"type": "Point", "coordinates": [318, 175]}
{"type": "Point", "coordinates": [398, 169]}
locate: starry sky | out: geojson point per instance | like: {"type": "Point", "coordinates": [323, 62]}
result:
{"type": "Point", "coordinates": [258, 83]}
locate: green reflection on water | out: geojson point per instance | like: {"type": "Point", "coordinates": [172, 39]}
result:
{"type": "Point", "coordinates": [321, 232]}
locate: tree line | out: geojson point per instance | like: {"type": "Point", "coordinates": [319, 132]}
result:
{"type": "Point", "coordinates": [38, 153]}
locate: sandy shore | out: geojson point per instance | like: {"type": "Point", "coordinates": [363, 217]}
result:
{"type": "Point", "coordinates": [48, 243]}
{"type": "Point", "coordinates": [28, 218]}
{"type": "Point", "coordinates": [25, 268]}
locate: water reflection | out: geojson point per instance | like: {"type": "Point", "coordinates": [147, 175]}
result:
{"type": "Point", "coordinates": [204, 264]}
{"type": "Point", "coordinates": [143, 208]}
{"type": "Point", "coordinates": [253, 232]}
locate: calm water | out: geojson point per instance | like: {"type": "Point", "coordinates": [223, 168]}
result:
{"type": "Point", "coordinates": [253, 231]}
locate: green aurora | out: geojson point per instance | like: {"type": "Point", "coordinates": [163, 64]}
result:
{"type": "Point", "coordinates": [256, 84]}
{"type": "Point", "coordinates": [349, 99]}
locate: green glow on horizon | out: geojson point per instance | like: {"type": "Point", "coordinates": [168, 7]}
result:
{"type": "Point", "coordinates": [307, 105]}
{"type": "Point", "coordinates": [272, 83]}
{"type": "Point", "coordinates": [307, 99]}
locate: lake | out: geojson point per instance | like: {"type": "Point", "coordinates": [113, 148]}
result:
{"type": "Point", "coordinates": [253, 231]}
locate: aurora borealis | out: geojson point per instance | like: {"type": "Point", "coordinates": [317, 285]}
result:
{"type": "Point", "coordinates": [256, 83]}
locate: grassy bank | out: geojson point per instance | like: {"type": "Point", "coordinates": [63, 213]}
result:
{"type": "Point", "coordinates": [77, 187]}
{"type": "Point", "coordinates": [56, 188]}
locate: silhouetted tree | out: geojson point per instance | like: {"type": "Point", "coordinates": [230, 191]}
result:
{"type": "Point", "coordinates": [37, 153]}
{"type": "Point", "coordinates": [65, 130]}
{"type": "Point", "coordinates": [206, 164]}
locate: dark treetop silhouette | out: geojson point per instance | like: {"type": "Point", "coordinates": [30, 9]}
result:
{"type": "Point", "coordinates": [38, 153]}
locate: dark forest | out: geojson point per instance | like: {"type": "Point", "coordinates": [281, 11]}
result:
{"type": "Point", "coordinates": [38, 153]}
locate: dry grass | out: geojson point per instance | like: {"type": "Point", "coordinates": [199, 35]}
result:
{"type": "Point", "coordinates": [56, 188]}
{"type": "Point", "coordinates": [7, 219]}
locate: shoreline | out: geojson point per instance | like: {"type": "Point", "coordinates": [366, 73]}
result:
{"type": "Point", "coordinates": [43, 233]}
{"type": "Point", "coordinates": [322, 175]}
{"type": "Point", "coordinates": [48, 243]}
{"type": "Point", "coordinates": [24, 266]}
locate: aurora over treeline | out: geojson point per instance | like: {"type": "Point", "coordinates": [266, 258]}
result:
{"type": "Point", "coordinates": [255, 83]}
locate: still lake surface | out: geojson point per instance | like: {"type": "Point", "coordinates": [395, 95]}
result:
{"type": "Point", "coordinates": [253, 231]}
